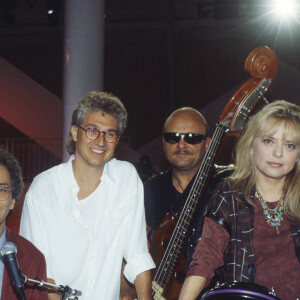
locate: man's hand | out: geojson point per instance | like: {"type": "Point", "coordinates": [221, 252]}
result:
{"type": "Point", "coordinates": [52, 294]}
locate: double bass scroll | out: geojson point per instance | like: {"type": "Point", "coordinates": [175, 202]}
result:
{"type": "Point", "coordinates": [262, 65]}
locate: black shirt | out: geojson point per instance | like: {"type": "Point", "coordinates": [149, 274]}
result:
{"type": "Point", "coordinates": [161, 198]}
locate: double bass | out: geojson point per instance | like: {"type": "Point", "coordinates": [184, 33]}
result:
{"type": "Point", "coordinates": [169, 238]}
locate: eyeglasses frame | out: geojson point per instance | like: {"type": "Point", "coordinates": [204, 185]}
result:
{"type": "Point", "coordinates": [99, 132]}
{"type": "Point", "coordinates": [9, 190]}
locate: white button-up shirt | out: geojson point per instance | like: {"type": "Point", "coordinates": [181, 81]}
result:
{"type": "Point", "coordinates": [84, 241]}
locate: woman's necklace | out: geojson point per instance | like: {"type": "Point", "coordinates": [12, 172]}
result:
{"type": "Point", "coordinates": [273, 216]}
{"type": "Point", "coordinates": [178, 182]}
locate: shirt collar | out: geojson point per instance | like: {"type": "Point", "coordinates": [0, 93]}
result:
{"type": "Point", "coordinates": [3, 237]}
{"type": "Point", "coordinates": [107, 175]}
{"type": "Point", "coordinates": [109, 171]}
{"type": "Point", "coordinates": [69, 172]}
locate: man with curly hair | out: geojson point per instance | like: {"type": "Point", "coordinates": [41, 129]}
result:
{"type": "Point", "coordinates": [31, 260]}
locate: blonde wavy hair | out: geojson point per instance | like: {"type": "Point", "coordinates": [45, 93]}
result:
{"type": "Point", "coordinates": [266, 123]}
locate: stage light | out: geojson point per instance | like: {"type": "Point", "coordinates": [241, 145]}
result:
{"type": "Point", "coordinates": [53, 8]}
{"type": "Point", "coordinates": [285, 8]}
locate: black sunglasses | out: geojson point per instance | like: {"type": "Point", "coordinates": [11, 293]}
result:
{"type": "Point", "coordinates": [190, 137]}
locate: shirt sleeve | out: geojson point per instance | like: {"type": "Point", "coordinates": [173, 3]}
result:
{"type": "Point", "coordinates": [137, 255]}
{"type": "Point", "coordinates": [31, 226]}
{"type": "Point", "coordinates": [208, 255]}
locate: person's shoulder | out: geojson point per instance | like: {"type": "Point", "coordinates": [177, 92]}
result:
{"type": "Point", "coordinates": [221, 172]}
{"type": "Point", "coordinates": [31, 260]}
{"type": "Point", "coordinates": [218, 176]}
{"type": "Point", "coordinates": [121, 165]}
{"type": "Point", "coordinates": [23, 245]}
{"type": "Point", "coordinates": [121, 170]}
{"type": "Point", "coordinates": [53, 173]}
{"type": "Point", "coordinates": [157, 179]}
{"type": "Point", "coordinates": [223, 187]}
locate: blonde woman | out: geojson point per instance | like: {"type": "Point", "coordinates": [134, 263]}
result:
{"type": "Point", "coordinates": [252, 229]}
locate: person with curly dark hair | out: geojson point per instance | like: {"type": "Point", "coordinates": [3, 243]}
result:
{"type": "Point", "coordinates": [31, 260]}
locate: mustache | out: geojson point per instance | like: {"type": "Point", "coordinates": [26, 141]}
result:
{"type": "Point", "coordinates": [182, 152]}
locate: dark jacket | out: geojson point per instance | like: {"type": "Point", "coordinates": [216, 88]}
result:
{"type": "Point", "coordinates": [31, 263]}
{"type": "Point", "coordinates": [161, 198]}
{"type": "Point", "coordinates": [237, 217]}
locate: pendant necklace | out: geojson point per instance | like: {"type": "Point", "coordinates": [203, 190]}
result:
{"type": "Point", "coordinates": [273, 216]}
{"type": "Point", "coordinates": [178, 181]}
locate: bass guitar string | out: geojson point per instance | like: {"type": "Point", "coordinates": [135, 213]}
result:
{"type": "Point", "coordinates": [252, 68]}
{"type": "Point", "coordinates": [195, 186]}
{"type": "Point", "coordinates": [162, 273]}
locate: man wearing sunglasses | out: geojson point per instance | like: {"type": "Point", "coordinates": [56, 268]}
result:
{"type": "Point", "coordinates": [185, 141]}
{"type": "Point", "coordinates": [87, 215]}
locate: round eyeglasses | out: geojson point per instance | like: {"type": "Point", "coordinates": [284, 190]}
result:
{"type": "Point", "coordinates": [4, 192]}
{"type": "Point", "coordinates": [93, 133]}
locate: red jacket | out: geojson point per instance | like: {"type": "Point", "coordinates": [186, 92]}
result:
{"type": "Point", "coordinates": [31, 263]}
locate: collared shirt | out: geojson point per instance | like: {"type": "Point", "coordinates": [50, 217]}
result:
{"type": "Point", "coordinates": [84, 241]}
{"type": "Point", "coordinates": [2, 241]}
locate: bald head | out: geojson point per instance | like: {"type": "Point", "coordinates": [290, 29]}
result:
{"type": "Point", "coordinates": [187, 114]}
{"type": "Point", "coordinates": [184, 156]}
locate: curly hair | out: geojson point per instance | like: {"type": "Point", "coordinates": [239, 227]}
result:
{"type": "Point", "coordinates": [15, 172]}
{"type": "Point", "coordinates": [97, 101]}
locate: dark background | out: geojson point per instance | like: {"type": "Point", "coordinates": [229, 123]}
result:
{"type": "Point", "coordinates": [159, 54]}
